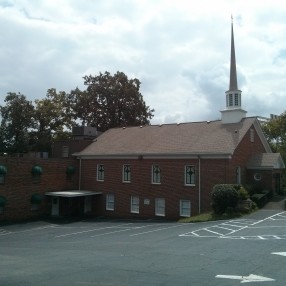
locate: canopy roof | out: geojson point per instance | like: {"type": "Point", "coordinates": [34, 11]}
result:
{"type": "Point", "coordinates": [72, 193]}
{"type": "Point", "coordinates": [266, 161]}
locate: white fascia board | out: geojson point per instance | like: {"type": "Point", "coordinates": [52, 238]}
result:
{"type": "Point", "coordinates": [157, 156]}
{"type": "Point", "coordinates": [259, 131]}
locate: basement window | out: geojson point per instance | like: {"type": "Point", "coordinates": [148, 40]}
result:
{"type": "Point", "coordinates": [185, 208]}
{"type": "Point", "coordinates": [134, 204]}
{"type": "Point", "coordinates": [160, 207]}
{"type": "Point", "coordinates": [110, 202]}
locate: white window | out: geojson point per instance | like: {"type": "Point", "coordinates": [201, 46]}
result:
{"type": "Point", "coordinates": [110, 202]}
{"type": "Point", "coordinates": [156, 174]}
{"type": "Point", "coordinates": [160, 207]}
{"type": "Point", "coordinates": [65, 151]}
{"type": "Point", "coordinates": [236, 99]}
{"type": "Point", "coordinates": [126, 173]}
{"type": "Point", "coordinates": [230, 100]}
{"type": "Point", "coordinates": [100, 172]}
{"type": "Point", "coordinates": [185, 208]}
{"type": "Point", "coordinates": [190, 173]}
{"type": "Point", "coordinates": [135, 204]}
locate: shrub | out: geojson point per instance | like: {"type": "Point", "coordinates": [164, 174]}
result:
{"type": "Point", "coordinates": [224, 196]}
{"type": "Point", "coordinates": [243, 193]}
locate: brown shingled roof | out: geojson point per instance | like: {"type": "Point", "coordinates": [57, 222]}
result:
{"type": "Point", "coordinates": [170, 139]}
{"type": "Point", "coordinates": [266, 161]}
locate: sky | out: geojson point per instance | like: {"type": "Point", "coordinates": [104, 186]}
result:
{"type": "Point", "coordinates": [179, 50]}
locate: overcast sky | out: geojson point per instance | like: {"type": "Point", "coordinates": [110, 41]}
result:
{"type": "Point", "coordinates": [179, 50]}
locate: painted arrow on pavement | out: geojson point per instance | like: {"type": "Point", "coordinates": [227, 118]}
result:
{"type": "Point", "coordinates": [279, 253]}
{"type": "Point", "coordinates": [247, 279]}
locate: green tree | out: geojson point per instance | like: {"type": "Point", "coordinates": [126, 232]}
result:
{"type": "Point", "coordinates": [275, 132]}
{"type": "Point", "coordinates": [52, 118]}
{"type": "Point", "coordinates": [17, 120]}
{"type": "Point", "coordinates": [110, 101]}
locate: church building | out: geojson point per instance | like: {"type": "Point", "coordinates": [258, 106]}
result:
{"type": "Point", "coordinates": [169, 170]}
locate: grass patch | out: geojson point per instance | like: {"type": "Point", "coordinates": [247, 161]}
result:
{"type": "Point", "coordinates": [209, 217]}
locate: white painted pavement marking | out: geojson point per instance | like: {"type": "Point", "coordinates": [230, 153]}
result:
{"type": "Point", "coordinates": [279, 253]}
{"type": "Point", "coordinates": [235, 226]}
{"type": "Point", "coordinates": [256, 237]}
{"type": "Point", "coordinates": [4, 232]}
{"type": "Point", "coordinates": [247, 279]}
{"type": "Point", "coordinates": [157, 229]}
{"type": "Point", "coordinates": [26, 230]}
{"type": "Point", "coordinates": [91, 230]}
{"type": "Point", "coordinates": [117, 231]}
{"type": "Point", "coordinates": [126, 226]}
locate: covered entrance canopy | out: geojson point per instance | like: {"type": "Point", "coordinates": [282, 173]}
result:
{"type": "Point", "coordinates": [72, 203]}
{"type": "Point", "coordinates": [72, 193]}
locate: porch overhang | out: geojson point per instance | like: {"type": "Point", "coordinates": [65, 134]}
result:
{"type": "Point", "coordinates": [72, 193]}
{"type": "Point", "coordinates": [266, 161]}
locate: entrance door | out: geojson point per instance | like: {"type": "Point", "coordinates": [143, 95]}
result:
{"type": "Point", "coordinates": [87, 204]}
{"type": "Point", "coordinates": [55, 206]}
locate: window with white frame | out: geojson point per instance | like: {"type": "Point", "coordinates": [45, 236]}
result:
{"type": "Point", "coordinates": [185, 208]}
{"type": "Point", "coordinates": [100, 172]}
{"type": "Point", "coordinates": [126, 173]}
{"type": "Point", "coordinates": [65, 151]}
{"type": "Point", "coordinates": [160, 207]}
{"type": "Point", "coordinates": [110, 202]}
{"type": "Point", "coordinates": [236, 99]}
{"type": "Point", "coordinates": [190, 172]}
{"type": "Point", "coordinates": [134, 204]}
{"type": "Point", "coordinates": [230, 100]}
{"type": "Point", "coordinates": [156, 174]}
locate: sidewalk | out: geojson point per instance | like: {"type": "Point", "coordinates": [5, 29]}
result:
{"type": "Point", "coordinates": [276, 203]}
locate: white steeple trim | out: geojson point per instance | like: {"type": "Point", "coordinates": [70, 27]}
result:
{"type": "Point", "coordinates": [233, 112]}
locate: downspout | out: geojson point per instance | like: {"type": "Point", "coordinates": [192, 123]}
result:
{"type": "Point", "coordinates": [79, 175]}
{"type": "Point", "coordinates": [199, 184]}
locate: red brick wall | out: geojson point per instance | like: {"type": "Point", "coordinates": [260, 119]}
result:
{"type": "Point", "coordinates": [172, 187]}
{"type": "Point", "coordinates": [213, 171]}
{"type": "Point", "coordinates": [19, 185]}
{"type": "Point", "coordinates": [242, 154]}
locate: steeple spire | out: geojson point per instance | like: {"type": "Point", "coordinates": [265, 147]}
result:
{"type": "Point", "coordinates": [233, 111]}
{"type": "Point", "coordinates": [232, 77]}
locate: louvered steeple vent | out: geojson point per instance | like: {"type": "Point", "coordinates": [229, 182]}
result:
{"type": "Point", "coordinates": [233, 112]}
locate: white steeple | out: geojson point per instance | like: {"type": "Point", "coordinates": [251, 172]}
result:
{"type": "Point", "coordinates": [233, 112]}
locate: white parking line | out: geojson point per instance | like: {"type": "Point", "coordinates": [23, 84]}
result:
{"type": "Point", "coordinates": [91, 230]}
{"type": "Point", "coordinates": [157, 229]}
{"type": "Point", "coordinates": [237, 226]}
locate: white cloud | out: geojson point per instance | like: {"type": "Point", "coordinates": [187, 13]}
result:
{"type": "Point", "coordinates": [179, 50]}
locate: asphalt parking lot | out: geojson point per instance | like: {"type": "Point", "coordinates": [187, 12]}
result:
{"type": "Point", "coordinates": [124, 252]}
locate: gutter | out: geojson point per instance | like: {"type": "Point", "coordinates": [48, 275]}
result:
{"type": "Point", "coordinates": [79, 176]}
{"type": "Point", "coordinates": [199, 184]}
